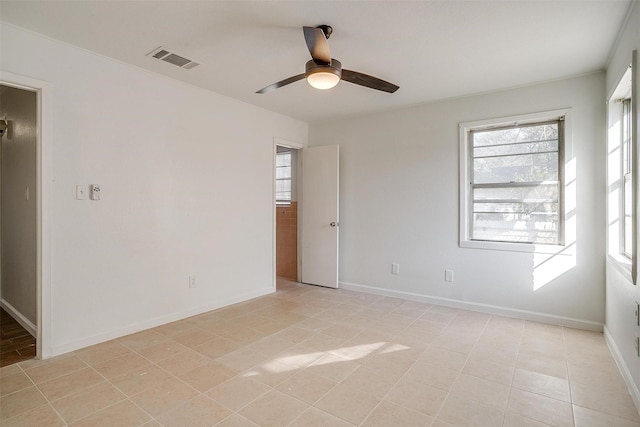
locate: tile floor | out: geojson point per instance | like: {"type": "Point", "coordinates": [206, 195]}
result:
{"type": "Point", "coordinates": [308, 356]}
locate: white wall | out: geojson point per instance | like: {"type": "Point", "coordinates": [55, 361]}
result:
{"type": "Point", "coordinates": [621, 328]}
{"type": "Point", "coordinates": [187, 189]}
{"type": "Point", "coordinates": [399, 204]}
{"type": "Point", "coordinates": [18, 215]}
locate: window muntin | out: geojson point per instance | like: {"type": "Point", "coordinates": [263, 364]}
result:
{"type": "Point", "coordinates": [515, 183]}
{"type": "Point", "coordinates": [283, 178]}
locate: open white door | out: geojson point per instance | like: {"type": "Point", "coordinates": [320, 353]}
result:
{"type": "Point", "coordinates": [320, 216]}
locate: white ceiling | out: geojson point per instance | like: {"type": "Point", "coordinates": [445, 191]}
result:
{"type": "Point", "coordinates": [431, 49]}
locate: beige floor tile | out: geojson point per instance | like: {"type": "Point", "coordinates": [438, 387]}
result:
{"type": "Point", "coordinates": [314, 417]}
{"type": "Point", "coordinates": [435, 376]}
{"type": "Point", "coordinates": [120, 365]}
{"type": "Point", "coordinates": [122, 414]}
{"type": "Point", "coordinates": [9, 370]}
{"type": "Point", "coordinates": [462, 412]}
{"type": "Point", "coordinates": [20, 401]}
{"type": "Point", "coordinates": [174, 328]}
{"type": "Point", "coordinates": [56, 368]}
{"type": "Point", "coordinates": [14, 382]}
{"type": "Point", "coordinates": [42, 416]}
{"type": "Point", "coordinates": [34, 363]}
{"type": "Point", "coordinates": [142, 339]}
{"type": "Point", "coordinates": [207, 376]}
{"type": "Point", "coordinates": [183, 362]}
{"type": "Point", "coordinates": [350, 404]}
{"type": "Point", "coordinates": [495, 372]}
{"type": "Point", "coordinates": [242, 359]}
{"type": "Point", "coordinates": [545, 385]}
{"type": "Point", "coordinates": [294, 334]}
{"type": "Point", "coordinates": [442, 358]}
{"type": "Point", "coordinates": [390, 359]}
{"type": "Point", "coordinates": [70, 383]}
{"type": "Point", "coordinates": [162, 350]}
{"type": "Point", "coordinates": [194, 337]}
{"type": "Point", "coordinates": [273, 409]}
{"type": "Point", "coordinates": [540, 408]}
{"type": "Point", "coordinates": [517, 420]}
{"type": "Point", "coordinates": [611, 402]}
{"type": "Point", "coordinates": [333, 367]}
{"type": "Point", "coordinates": [417, 396]}
{"type": "Point", "coordinates": [200, 411]}
{"type": "Point", "coordinates": [388, 414]}
{"type": "Point", "coordinates": [543, 365]}
{"type": "Point", "coordinates": [307, 386]}
{"type": "Point", "coordinates": [604, 377]}
{"type": "Point", "coordinates": [235, 420]}
{"type": "Point", "coordinates": [341, 331]}
{"type": "Point", "coordinates": [217, 347]}
{"type": "Point", "coordinates": [372, 381]}
{"type": "Point", "coordinates": [102, 352]}
{"type": "Point", "coordinates": [140, 379]}
{"type": "Point", "coordinates": [455, 342]}
{"type": "Point", "coordinates": [485, 352]}
{"type": "Point", "coordinates": [270, 346]}
{"type": "Point", "coordinates": [585, 417]}
{"type": "Point", "coordinates": [87, 401]}
{"type": "Point", "coordinates": [167, 395]}
{"type": "Point", "coordinates": [238, 392]}
{"type": "Point", "coordinates": [467, 387]}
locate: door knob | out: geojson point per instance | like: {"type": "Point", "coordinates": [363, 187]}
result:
{"type": "Point", "coordinates": [333, 224]}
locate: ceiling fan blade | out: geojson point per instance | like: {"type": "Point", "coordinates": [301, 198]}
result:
{"type": "Point", "coordinates": [368, 81]}
{"type": "Point", "coordinates": [281, 83]}
{"type": "Point", "coordinates": [317, 44]}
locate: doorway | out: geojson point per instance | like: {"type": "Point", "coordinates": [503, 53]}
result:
{"type": "Point", "coordinates": [18, 223]}
{"type": "Point", "coordinates": [286, 195]}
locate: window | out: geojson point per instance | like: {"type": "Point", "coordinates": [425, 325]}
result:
{"type": "Point", "coordinates": [283, 178]}
{"type": "Point", "coordinates": [513, 183]}
{"type": "Point", "coordinates": [627, 194]}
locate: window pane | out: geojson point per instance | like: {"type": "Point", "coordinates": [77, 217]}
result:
{"type": "Point", "coordinates": [283, 172]}
{"type": "Point", "coordinates": [283, 159]}
{"type": "Point", "coordinates": [628, 191]}
{"type": "Point", "coordinates": [527, 133]}
{"type": "Point", "coordinates": [538, 193]}
{"type": "Point", "coordinates": [523, 168]}
{"type": "Point", "coordinates": [520, 148]}
{"type": "Point", "coordinates": [511, 227]}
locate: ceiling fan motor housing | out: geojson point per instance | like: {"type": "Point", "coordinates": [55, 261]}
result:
{"type": "Point", "coordinates": [312, 67]}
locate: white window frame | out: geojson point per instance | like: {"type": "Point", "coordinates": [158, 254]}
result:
{"type": "Point", "coordinates": [564, 153]}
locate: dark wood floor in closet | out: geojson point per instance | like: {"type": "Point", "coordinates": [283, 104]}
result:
{"type": "Point", "coordinates": [16, 344]}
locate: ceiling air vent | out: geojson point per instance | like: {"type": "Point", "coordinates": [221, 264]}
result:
{"type": "Point", "coordinates": [172, 58]}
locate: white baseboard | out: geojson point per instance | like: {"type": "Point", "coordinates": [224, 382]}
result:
{"type": "Point", "coordinates": [484, 308]}
{"type": "Point", "coordinates": [152, 323]}
{"type": "Point", "coordinates": [26, 323]}
{"type": "Point", "coordinates": [622, 367]}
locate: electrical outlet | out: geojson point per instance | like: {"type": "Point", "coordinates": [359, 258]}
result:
{"type": "Point", "coordinates": [395, 268]}
{"type": "Point", "coordinates": [192, 281]}
{"type": "Point", "coordinates": [448, 275]}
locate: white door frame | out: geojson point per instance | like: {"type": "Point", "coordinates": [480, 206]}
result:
{"type": "Point", "coordinates": [43, 203]}
{"type": "Point", "coordinates": [298, 146]}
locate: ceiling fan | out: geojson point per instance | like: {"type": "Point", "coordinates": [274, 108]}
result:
{"type": "Point", "coordinates": [324, 72]}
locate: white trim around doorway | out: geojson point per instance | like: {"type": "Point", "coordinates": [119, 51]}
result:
{"type": "Point", "coordinates": [44, 179]}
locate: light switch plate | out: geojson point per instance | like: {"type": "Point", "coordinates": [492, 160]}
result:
{"type": "Point", "coordinates": [82, 192]}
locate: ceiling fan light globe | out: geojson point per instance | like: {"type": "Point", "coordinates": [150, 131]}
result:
{"type": "Point", "coordinates": [323, 80]}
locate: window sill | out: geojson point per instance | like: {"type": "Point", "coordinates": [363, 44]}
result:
{"type": "Point", "coordinates": [513, 247]}
{"type": "Point", "coordinates": [620, 263]}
